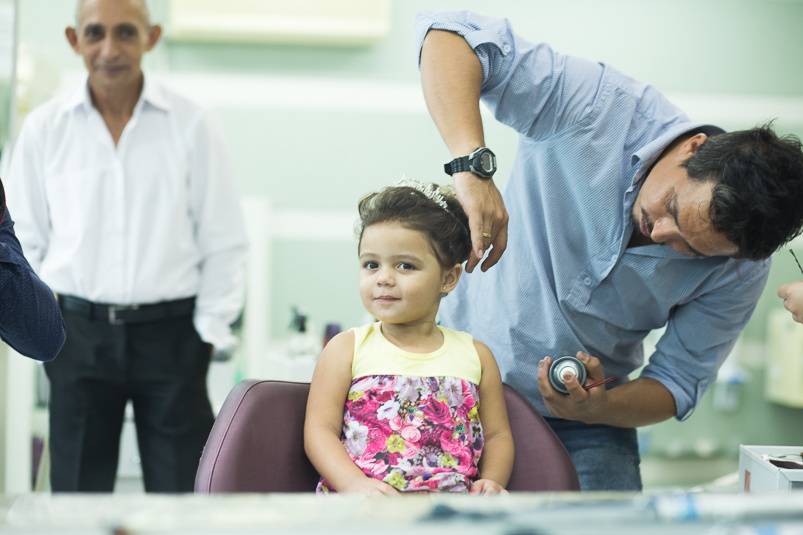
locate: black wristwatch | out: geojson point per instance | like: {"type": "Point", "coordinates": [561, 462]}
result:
{"type": "Point", "coordinates": [481, 162]}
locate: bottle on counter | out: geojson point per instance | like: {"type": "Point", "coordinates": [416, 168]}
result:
{"type": "Point", "coordinates": [330, 331]}
{"type": "Point", "coordinates": [301, 344]}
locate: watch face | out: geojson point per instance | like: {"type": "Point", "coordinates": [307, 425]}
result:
{"type": "Point", "coordinates": [487, 162]}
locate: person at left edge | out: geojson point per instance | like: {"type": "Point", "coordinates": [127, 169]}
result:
{"type": "Point", "coordinates": [30, 319]}
{"type": "Point", "coordinates": [127, 208]}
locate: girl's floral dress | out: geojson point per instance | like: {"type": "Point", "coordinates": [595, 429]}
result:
{"type": "Point", "coordinates": [414, 433]}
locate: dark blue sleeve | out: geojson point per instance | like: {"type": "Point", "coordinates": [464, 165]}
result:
{"type": "Point", "coordinates": [30, 319]}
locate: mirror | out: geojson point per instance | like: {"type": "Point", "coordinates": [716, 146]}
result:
{"type": "Point", "coordinates": [8, 25]}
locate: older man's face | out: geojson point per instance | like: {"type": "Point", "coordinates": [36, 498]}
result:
{"type": "Point", "coordinates": [112, 36]}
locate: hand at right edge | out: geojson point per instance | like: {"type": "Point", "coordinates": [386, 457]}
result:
{"type": "Point", "coordinates": [792, 295]}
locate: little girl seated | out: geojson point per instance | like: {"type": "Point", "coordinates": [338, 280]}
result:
{"type": "Point", "coordinates": [394, 406]}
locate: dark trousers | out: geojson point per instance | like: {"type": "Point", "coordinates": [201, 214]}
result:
{"type": "Point", "coordinates": [605, 457]}
{"type": "Point", "coordinates": [161, 367]}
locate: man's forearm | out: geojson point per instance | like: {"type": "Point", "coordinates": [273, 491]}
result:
{"type": "Point", "coordinates": [451, 76]}
{"type": "Point", "coordinates": [637, 403]}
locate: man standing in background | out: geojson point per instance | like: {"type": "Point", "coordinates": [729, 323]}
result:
{"type": "Point", "coordinates": [128, 210]}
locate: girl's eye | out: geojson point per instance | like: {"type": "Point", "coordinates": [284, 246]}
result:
{"type": "Point", "coordinates": [404, 266]}
{"type": "Point", "coordinates": [370, 264]}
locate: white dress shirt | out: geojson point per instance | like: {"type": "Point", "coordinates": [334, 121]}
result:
{"type": "Point", "coordinates": [154, 218]}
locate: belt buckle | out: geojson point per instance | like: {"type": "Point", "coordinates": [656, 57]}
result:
{"type": "Point", "coordinates": [113, 318]}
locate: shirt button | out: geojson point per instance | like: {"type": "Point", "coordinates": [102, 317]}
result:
{"type": "Point", "coordinates": [587, 281]}
{"type": "Point", "coordinates": [506, 49]}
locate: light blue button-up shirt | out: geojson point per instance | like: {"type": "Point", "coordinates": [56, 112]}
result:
{"type": "Point", "coordinates": [568, 281]}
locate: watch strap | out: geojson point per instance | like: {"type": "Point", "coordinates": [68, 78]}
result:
{"type": "Point", "coordinates": [458, 165]}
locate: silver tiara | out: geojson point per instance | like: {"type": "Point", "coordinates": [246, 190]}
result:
{"type": "Point", "coordinates": [429, 190]}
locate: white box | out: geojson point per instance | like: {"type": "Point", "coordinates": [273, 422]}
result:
{"type": "Point", "coordinates": [784, 379]}
{"type": "Point", "coordinates": [757, 474]}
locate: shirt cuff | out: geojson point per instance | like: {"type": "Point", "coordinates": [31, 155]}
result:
{"type": "Point", "coordinates": [686, 396]}
{"type": "Point", "coordinates": [215, 331]}
{"type": "Point", "coordinates": [477, 31]}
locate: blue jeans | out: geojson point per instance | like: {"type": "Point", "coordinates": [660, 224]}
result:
{"type": "Point", "coordinates": [606, 458]}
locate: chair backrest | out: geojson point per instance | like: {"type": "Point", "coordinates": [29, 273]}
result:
{"type": "Point", "coordinates": [257, 441]}
{"type": "Point", "coordinates": [257, 444]}
{"type": "Point", "coordinates": [541, 462]}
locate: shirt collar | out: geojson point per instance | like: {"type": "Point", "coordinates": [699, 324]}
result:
{"type": "Point", "coordinates": [152, 94]}
{"type": "Point", "coordinates": [650, 152]}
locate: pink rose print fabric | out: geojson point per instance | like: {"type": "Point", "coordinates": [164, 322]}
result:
{"type": "Point", "coordinates": [414, 433]}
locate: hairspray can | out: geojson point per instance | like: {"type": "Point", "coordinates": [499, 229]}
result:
{"type": "Point", "coordinates": [564, 367]}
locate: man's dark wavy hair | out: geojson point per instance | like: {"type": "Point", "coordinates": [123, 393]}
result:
{"type": "Point", "coordinates": [757, 202]}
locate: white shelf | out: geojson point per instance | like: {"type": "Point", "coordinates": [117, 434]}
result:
{"type": "Point", "coordinates": [316, 22]}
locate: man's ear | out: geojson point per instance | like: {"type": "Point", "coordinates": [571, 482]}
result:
{"type": "Point", "coordinates": [154, 34]}
{"type": "Point", "coordinates": [72, 37]}
{"type": "Point", "coordinates": [693, 144]}
{"type": "Point", "coordinates": [450, 278]}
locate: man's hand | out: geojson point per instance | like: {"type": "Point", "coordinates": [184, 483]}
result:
{"type": "Point", "coordinates": [487, 487]}
{"type": "Point", "coordinates": [792, 295]}
{"type": "Point", "coordinates": [487, 218]}
{"type": "Point", "coordinates": [587, 406]}
{"type": "Point", "coordinates": [370, 486]}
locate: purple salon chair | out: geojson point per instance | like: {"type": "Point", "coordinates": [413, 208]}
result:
{"type": "Point", "coordinates": [257, 444]}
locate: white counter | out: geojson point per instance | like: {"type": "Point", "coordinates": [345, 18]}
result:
{"type": "Point", "coordinates": [586, 513]}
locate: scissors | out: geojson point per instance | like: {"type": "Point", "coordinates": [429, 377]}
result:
{"type": "Point", "coordinates": [796, 260]}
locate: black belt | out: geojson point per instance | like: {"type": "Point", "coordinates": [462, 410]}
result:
{"type": "Point", "coordinates": [120, 314]}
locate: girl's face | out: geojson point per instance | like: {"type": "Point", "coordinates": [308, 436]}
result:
{"type": "Point", "coordinates": [401, 280]}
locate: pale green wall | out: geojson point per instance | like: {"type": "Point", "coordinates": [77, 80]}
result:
{"type": "Point", "coordinates": [681, 46]}
{"type": "Point", "coordinates": [733, 46]}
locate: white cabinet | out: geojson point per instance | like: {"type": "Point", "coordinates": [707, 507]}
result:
{"type": "Point", "coordinates": [339, 22]}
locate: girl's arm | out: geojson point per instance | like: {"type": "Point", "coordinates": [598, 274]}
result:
{"type": "Point", "coordinates": [324, 420]}
{"type": "Point", "coordinates": [496, 462]}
